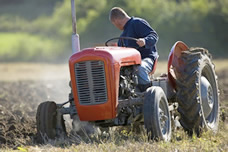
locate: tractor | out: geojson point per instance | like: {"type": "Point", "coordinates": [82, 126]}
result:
{"type": "Point", "coordinates": [104, 91]}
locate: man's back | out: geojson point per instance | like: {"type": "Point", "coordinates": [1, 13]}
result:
{"type": "Point", "coordinates": [139, 28]}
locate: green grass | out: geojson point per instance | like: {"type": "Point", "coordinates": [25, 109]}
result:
{"type": "Point", "coordinates": [28, 47]}
{"type": "Point", "coordinates": [131, 142]}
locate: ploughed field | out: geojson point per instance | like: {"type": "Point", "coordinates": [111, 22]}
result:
{"type": "Point", "coordinates": [24, 86]}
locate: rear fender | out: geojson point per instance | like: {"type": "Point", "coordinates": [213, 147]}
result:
{"type": "Point", "coordinates": [174, 61]}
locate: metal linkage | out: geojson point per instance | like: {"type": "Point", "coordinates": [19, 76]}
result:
{"type": "Point", "coordinates": [131, 101]}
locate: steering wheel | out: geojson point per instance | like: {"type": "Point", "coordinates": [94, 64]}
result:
{"type": "Point", "coordinates": [120, 38]}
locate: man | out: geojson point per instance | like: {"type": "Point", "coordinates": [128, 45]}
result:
{"type": "Point", "coordinates": [146, 42]}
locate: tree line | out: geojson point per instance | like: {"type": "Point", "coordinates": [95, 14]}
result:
{"type": "Point", "coordinates": [202, 23]}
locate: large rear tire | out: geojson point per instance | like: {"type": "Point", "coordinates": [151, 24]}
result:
{"type": "Point", "coordinates": [157, 118]}
{"type": "Point", "coordinates": [46, 120]}
{"type": "Point", "coordinates": [197, 91]}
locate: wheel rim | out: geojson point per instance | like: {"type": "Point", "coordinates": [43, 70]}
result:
{"type": "Point", "coordinates": [209, 97]}
{"type": "Point", "coordinates": [164, 117]}
{"type": "Point", "coordinates": [206, 96]}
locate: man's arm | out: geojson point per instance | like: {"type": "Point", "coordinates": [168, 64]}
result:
{"type": "Point", "coordinates": [147, 36]}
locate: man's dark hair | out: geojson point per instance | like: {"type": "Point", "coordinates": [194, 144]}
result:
{"type": "Point", "coordinates": [117, 13]}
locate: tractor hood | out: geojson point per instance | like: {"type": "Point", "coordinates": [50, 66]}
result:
{"type": "Point", "coordinates": [95, 76]}
{"type": "Point", "coordinates": [119, 55]}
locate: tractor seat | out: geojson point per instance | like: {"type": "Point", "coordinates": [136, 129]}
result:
{"type": "Point", "coordinates": [154, 67]}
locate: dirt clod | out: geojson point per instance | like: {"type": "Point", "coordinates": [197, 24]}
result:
{"type": "Point", "coordinates": [2, 139]}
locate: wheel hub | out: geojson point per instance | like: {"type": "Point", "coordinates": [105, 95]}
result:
{"type": "Point", "coordinates": [163, 118]}
{"type": "Point", "coordinates": [206, 96]}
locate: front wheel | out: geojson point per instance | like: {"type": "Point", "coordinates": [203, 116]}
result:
{"type": "Point", "coordinates": [47, 122]}
{"type": "Point", "coordinates": [157, 118]}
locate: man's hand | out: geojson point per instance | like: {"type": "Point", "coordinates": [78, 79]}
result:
{"type": "Point", "coordinates": [141, 42]}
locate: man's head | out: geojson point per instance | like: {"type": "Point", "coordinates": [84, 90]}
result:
{"type": "Point", "coordinates": [118, 17]}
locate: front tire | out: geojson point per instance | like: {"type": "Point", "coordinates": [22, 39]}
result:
{"type": "Point", "coordinates": [157, 118]}
{"type": "Point", "coordinates": [46, 121]}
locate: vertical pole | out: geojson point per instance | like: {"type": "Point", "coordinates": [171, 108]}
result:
{"type": "Point", "coordinates": [75, 36]}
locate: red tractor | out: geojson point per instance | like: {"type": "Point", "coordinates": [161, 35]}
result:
{"type": "Point", "coordinates": [104, 92]}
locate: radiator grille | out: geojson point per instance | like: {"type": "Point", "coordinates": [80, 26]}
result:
{"type": "Point", "coordinates": [91, 82]}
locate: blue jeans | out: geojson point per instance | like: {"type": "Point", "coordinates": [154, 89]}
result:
{"type": "Point", "coordinates": [143, 71]}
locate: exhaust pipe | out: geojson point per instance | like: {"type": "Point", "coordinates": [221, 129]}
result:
{"type": "Point", "coordinates": [75, 36]}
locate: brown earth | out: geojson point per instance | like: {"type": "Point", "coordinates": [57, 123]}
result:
{"type": "Point", "coordinates": [19, 101]}
{"type": "Point", "coordinates": [18, 105]}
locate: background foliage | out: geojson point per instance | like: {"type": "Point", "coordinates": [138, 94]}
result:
{"type": "Point", "coordinates": [41, 30]}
